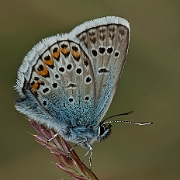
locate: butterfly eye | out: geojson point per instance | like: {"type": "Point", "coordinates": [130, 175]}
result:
{"type": "Point", "coordinates": [103, 132]}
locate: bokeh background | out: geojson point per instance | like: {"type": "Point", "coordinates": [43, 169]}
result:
{"type": "Point", "coordinates": [149, 86]}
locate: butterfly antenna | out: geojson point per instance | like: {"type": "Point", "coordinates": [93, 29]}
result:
{"type": "Point", "coordinates": [116, 115]}
{"type": "Point", "coordinates": [128, 122]}
{"type": "Point", "coordinates": [124, 121]}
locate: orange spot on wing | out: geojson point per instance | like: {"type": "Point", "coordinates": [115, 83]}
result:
{"type": "Point", "coordinates": [43, 72]}
{"type": "Point", "coordinates": [76, 54]}
{"type": "Point", "coordinates": [56, 54]}
{"type": "Point", "coordinates": [35, 86]}
{"type": "Point", "coordinates": [49, 61]}
{"type": "Point", "coordinates": [65, 51]}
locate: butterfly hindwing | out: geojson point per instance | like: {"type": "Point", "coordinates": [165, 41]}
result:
{"type": "Point", "coordinates": [62, 81]}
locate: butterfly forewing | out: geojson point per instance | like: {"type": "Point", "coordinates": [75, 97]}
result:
{"type": "Point", "coordinates": [107, 41]}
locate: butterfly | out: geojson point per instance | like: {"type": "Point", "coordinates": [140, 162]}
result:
{"type": "Point", "coordinates": [67, 81]}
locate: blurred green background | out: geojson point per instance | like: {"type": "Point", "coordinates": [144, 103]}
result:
{"type": "Point", "coordinates": [149, 86]}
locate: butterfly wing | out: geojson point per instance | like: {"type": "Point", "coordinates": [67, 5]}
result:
{"type": "Point", "coordinates": [56, 84]}
{"type": "Point", "coordinates": [68, 81]}
{"type": "Point", "coordinates": [107, 41]}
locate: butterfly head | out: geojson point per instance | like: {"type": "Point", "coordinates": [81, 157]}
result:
{"type": "Point", "coordinates": [104, 130]}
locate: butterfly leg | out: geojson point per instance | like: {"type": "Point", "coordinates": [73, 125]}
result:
{"type": "Point", "coordinates": [90, 157]}
{"type": "Point", "coordinates": [72, 148]}
{"type": "Point", "coordinates": [90, 150]}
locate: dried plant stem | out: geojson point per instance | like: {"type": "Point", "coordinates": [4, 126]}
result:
{"type": "Point", "coordinates": [67, 159]}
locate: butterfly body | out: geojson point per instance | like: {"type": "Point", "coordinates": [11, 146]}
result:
{"type": "Point", "coordinates": [67, 81]}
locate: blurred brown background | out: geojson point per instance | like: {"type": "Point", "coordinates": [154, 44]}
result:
{"type": "Point", "coordinates": [149, 86]}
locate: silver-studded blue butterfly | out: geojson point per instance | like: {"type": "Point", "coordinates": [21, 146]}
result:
{"type": "Point", "coordinates": [67, 81]}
